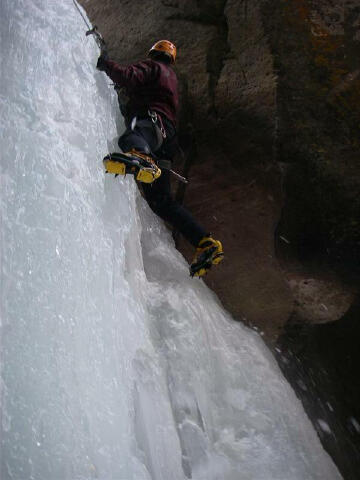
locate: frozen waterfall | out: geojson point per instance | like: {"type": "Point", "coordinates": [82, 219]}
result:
{"type": "Point", "coordinates": [114, 363]}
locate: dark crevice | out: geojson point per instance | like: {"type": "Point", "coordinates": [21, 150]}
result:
{"type": "Point", "coordinates": [189, 153]}
{"type": "Point", "coordinates": [219, 48]}
{"type": "Point", "coordinates": [187, 145]}
{"type": "Point", "coordinates": [170, 3]}
{"type": "Point", "coordinates": [217, 53]}
{"type": "Point", "coordinates": [200, 19]}
{"type": "Point", "coordinates": [245, 9]}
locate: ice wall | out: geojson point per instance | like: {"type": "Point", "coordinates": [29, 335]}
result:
{"type": "Point", "coordinates": [114, 363]}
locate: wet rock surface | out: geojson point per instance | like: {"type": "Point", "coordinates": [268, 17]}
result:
{"type": "Point", "coordinates": [269, 128]}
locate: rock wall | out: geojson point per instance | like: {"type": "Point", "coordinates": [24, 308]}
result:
{"type": "Point", "coordinates": [269, 126]}
{"type": "Point", "coordinates": [321, 362]}
{"type": "Point", "coordinates": [316, 51]}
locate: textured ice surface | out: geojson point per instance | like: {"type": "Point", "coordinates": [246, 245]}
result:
{"type": "Point", "coordinates": [114, 363]}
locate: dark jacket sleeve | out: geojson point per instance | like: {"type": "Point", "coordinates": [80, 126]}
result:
{"type": "Point", "coordinates": [130, 76]}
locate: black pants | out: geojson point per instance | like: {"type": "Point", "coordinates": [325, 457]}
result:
{"type": "Point", "coordinates": [158, 194]}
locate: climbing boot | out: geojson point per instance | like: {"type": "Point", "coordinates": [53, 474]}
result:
{"type": "Point", "coordinates": [142, 166]}
{"type": "Point", "coordinates": [209, 252]}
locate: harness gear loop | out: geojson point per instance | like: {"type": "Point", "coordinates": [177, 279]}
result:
{"type": "Point", "coordinates": [153, 116]}
{"type": "Point", "coordinates": [156, 119]}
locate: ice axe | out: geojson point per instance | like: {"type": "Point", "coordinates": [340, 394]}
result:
{"type": "Point", "coordinates": [100, 42]}
{"type": "Point", "coordinates": [98, 38]}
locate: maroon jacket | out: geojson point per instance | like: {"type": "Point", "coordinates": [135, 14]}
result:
{"type": "Point", "coordinates": [150, 85]}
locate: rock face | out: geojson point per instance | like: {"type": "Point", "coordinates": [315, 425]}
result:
{"type": "Point", "coordinates": [269, 126]}
{"type": "Point", "coordinates": [321, 361]}
{"type": "Point", "coordinates": [316, 51]}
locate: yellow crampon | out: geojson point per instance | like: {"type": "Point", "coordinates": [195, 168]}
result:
{"type": "Point", "coordinates": [140, 165]}
{"type": "Point", "coordinates": [115, 167]}
{"type": "Point", "coordinates": [209, 252]}
{"type": "Point", "coordinates": [146, 174]}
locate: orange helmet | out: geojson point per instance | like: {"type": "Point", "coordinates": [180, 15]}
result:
{"type": "Point", "coordinates": [164, 46]}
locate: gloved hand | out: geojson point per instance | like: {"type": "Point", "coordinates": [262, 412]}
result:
{"type": "Point", "coordinates": [101, 63]}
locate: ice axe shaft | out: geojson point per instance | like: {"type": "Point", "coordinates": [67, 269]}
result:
{"type": "Point", "coordinates": [100, 42]}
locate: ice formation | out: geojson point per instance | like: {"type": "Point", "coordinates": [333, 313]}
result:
{"type": "Point", "coordinates": [114, 363]}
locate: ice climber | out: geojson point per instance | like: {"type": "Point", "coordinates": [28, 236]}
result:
{"type": "Point", "coordinates": [150, 112]}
